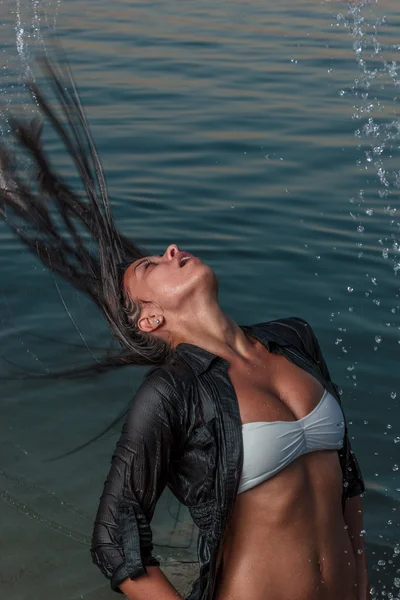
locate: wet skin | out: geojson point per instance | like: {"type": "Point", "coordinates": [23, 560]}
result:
{"type": "Point", "coordinates": [287, 537]}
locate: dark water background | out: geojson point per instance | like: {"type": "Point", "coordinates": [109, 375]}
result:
{"type": "Point", "coordinates": [263, 138]}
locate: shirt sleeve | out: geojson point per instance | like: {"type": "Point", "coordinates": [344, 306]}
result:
{"type": "Point", "coordinates": [122, 537]}
{"type": "Point", "coordinates": [353, 483]}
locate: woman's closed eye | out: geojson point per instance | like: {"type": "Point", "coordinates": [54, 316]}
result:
{"type": "Point", "coordinates": [147, 263]}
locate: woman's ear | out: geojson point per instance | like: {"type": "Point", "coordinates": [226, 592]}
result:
{"type": "Point", "coordinates": [149, 323]}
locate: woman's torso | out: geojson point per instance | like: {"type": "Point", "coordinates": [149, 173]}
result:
{"type": "Point", "coordinates": [287, 536]}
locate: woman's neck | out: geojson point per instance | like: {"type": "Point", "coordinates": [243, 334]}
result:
{"type": "Point", "coordinates": [214, 331]}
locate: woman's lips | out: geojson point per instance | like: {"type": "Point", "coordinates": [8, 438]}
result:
{"type": "Point", "coordinates": [187, 256]}
{"type": "Point", "coordinates": [186, 261]}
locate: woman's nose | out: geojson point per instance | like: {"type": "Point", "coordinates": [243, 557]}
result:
{"type": "Point", "coordinates": [171, 251]}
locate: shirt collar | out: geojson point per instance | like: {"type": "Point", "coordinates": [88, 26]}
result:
{"type": "Point", "coordinates": [201, 359]}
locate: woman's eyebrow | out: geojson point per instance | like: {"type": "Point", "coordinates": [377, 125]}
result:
{"type": "Point", "coordinates": [144, 260]}
{"type": "Point", "coordinates": [139, 263]}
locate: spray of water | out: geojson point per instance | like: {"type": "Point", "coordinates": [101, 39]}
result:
{"type": "Point", "coordinates": [27, 24]}
{"type": "Point", "coordinates": [375, 91]}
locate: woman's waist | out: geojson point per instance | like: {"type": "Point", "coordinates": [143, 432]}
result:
{"type": "Point", "coordinates": [301, 538]}
{"type": "Point", "coordinates": [286, 506]}
{"type": "Point", "coordinates": [301, 532]}
{"type": "Point", "coordinates": [298, 544]}
{"type": "Point", "coordinates": [294, 568]}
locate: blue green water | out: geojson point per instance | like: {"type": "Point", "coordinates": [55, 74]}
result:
{"type": "Point", "coordinates": [264, 139]}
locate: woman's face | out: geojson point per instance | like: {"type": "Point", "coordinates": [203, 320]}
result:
{"type": "Point", "coordinates": [169, 280]}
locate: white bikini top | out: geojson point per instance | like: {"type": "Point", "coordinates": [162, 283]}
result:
{"type": "Point", "coordinates": [269, 447]}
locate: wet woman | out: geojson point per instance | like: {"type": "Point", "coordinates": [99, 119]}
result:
{"type": "Point", "coordinates": [242, 423]}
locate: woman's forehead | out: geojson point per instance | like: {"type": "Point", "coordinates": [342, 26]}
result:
{"type": "Point", "coordinates": [130, 271]}
{"type": "Point", "coordinates": [124, 269]}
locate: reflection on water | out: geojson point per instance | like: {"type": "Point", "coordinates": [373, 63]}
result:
{"type": "Point", "coordinates": [264, 139]}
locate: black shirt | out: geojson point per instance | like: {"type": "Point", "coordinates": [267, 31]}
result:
{"type": "Point", "coordinates": [184, 431]}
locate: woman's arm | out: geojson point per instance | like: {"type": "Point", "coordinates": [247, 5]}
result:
{"type": "Point", "coordinates": [152, 586]}
{"type": "Point", "coordinates": [122, 537]}
{"type": "Point", "coordinates": [353, 517]}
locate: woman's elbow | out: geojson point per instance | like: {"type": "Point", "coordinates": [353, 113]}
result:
{"type": "Point", "coordinates": [105, 552]}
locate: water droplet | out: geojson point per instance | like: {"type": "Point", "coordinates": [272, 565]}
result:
{"type": "Point", "coordinates": [395, 467]}
{"type": "Point", "coordinates": [388, 426]}
{"type": "Point", "coordinates": [397, 440]}
{"type": "Point", "coordinates": [381, 562]}
{"type": "Point", "coordinates": [378, 339]}
{"type": "Point", "coordinates": [350, 289]}
{"type": "Point", "coordinates": [393, 395]}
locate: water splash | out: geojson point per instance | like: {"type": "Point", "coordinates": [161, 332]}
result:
{"type": "Point", "coordinates": [376, 89]}
{"type": "Point", "coordinates": [27, 24]}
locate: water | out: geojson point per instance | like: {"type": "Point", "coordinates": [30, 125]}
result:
{"type": "Point", "coordinates": [265, 140]}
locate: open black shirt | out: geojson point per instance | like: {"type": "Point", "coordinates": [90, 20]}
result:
{"type": "Point", "coordinates": [184, 431]}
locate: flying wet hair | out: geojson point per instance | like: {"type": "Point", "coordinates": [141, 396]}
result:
{"type": "Point", "coordinates": [74, 234]}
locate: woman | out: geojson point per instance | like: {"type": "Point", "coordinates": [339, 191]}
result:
{"type": "Point", "coordinates": [242, 423]}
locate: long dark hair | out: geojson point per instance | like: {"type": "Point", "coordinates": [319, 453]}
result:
{"type": "Point", "coordinates": [73, 234]}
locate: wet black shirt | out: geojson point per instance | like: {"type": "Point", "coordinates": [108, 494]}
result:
{"type": "Point", "coordinates": [184, 431]}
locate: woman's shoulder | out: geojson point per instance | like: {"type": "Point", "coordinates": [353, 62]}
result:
{"type": "Point", "coordinates": [174, 372]}
{"type": "Point", "coordinates": [157, 400]}
{"type": "Point", "coordinates": [299, 333]}
{"type": "Point", "coordinates": [168, 382]}
{"type": "Point", "coordinates": [294, 329]}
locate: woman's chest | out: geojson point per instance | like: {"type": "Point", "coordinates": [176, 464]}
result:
{"type": "Point", "coordinates": [273, 389]}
